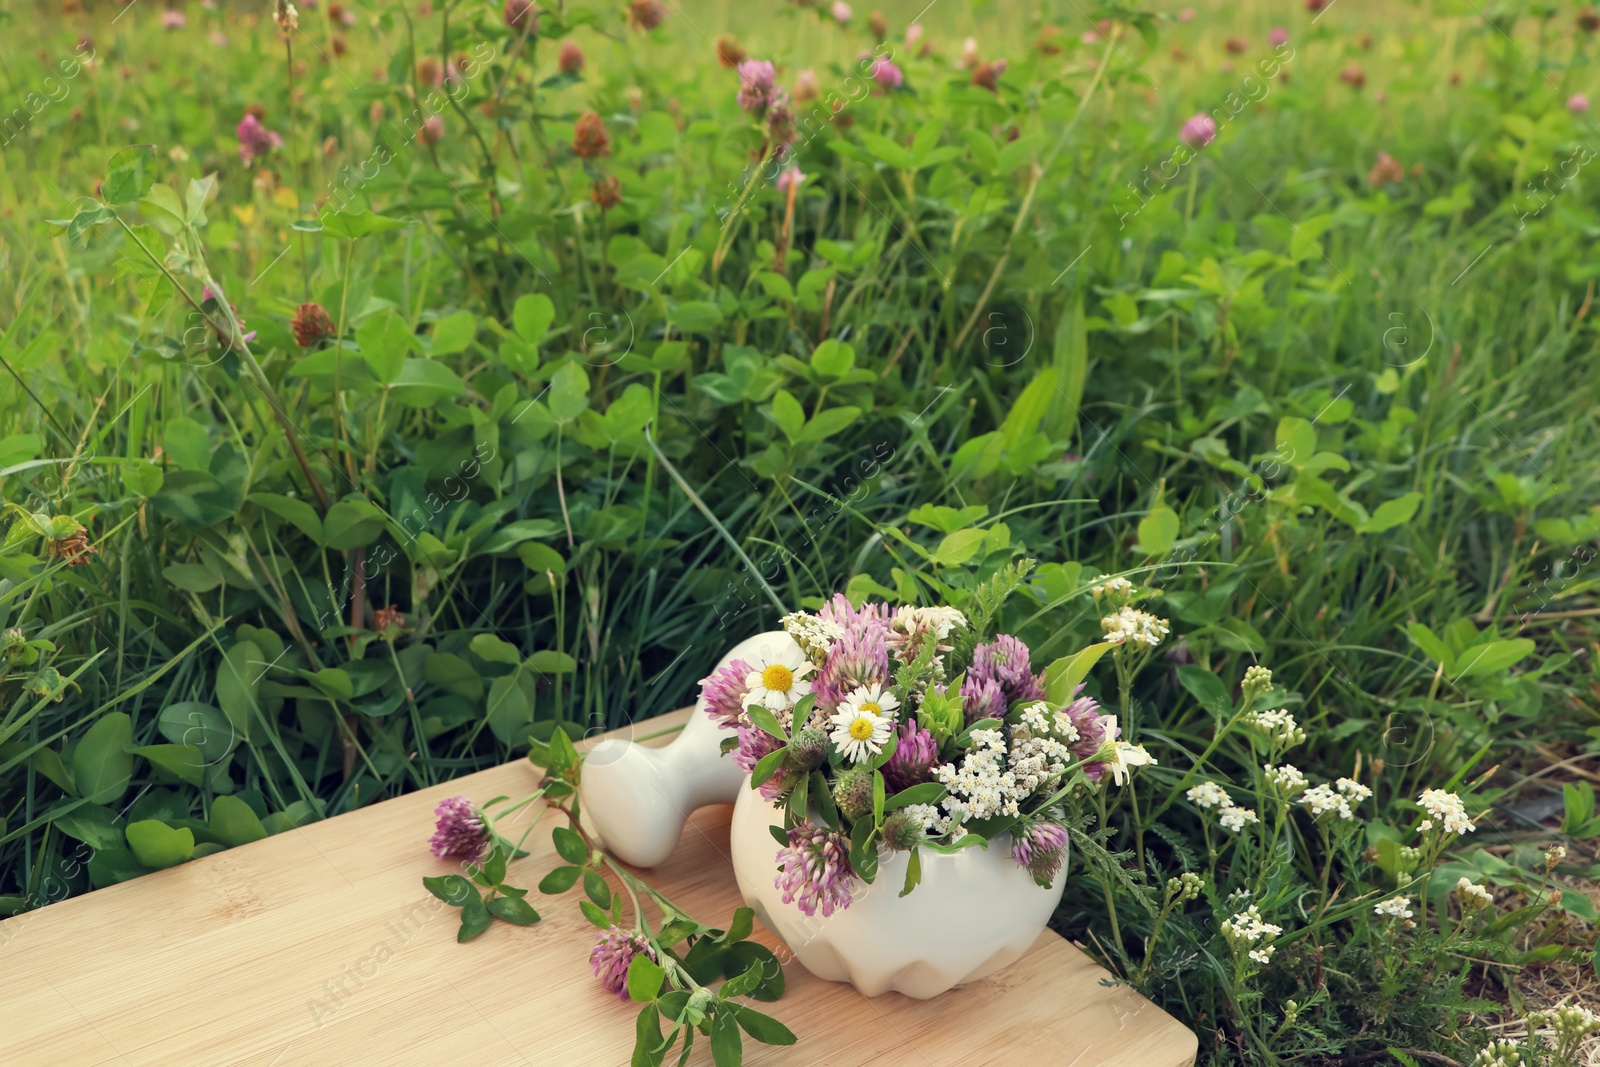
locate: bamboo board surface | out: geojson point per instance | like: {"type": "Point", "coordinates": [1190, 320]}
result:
{"type": "Point", "coordinates": [319, 947]}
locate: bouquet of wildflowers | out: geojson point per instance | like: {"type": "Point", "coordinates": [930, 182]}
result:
{"type": "Point", "coordinates": [906, 728]}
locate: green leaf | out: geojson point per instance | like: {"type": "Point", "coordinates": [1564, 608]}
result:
{"type": "Point", "coordinates": [1430, 644]}
{"type": "Point", "coordinates": [549, 661]}
{"type": "Point", "coordinates": [450, 888]}
{"type": "Point", "coordinates": [828, 424]}
{"type": "Point", "coordinates": [102, 766]}
{"type": "Point", "coordinates": [1486, 658]}
{"type": "Point", "coordinates": [234, 822]}
{"type": "Point", "coordinates": [596, 889]}
{"type": "Point", "coordinates": [158, 845]}
{"type": "Point", "coordinates": [569, 392]}
{"type": "Point", "coordinates": [569, 845]}
{"type": "Point", "coordinates": [788, 414]}
{"type": "Point", "coordinates": [385, 341]}
{"type": "Point", "coordinates": [739, 957]}
{"type": "Point", "coordinates": [959, 547]}
{"type": "Point", "coordinates": [353, 225]}
{"type": "Point", "coordinates": [863, 851]}
{"type": "Point", "coordinates": [514, 910]}
{"type": "Point", "coordinates": [492, 649]}
{"type": "Point", "coordinates": [532, 316]}
{"type": "Point", "coordinates": [475, 919]}
{"type": "Point", "coordinates": [913, 872]}
{"type": "Point", "coordinates": [128, 181]}
{"type": "Point", "coordinates": [766, 721]}
{"type": "Point", "coordinates": [1157, 531]}
{"type": "Point", "coordinates": [453, 333]}
{"type": "Point", "coordinates": [351, 524]}
{"type": "Point", "coordinates": [879, 792]}
{"type": "Point", "coordinates": [743, 922]}
{"type": "Point", "coordinates": [764, 1028]}
{"type": "Point", "coordinates": [644, 978]}
{"type": "Point", "coordinates": [297, 512]}
{"type": "Point", "coordinates": [183, 762]}
{"type": "Point", "coordinates": [1392, 513]}
{"type": "Point", "coordinates": [331, 682]}
{"type": "Point", "coordinates": [187, 443]}
{"type": "Point", "coordinates": [1028, 410]}
{"type": "Point", "coordinates": [1061, 678]}
{"type": "Point", "coordinates": [1296, 440]}
{"type": "Point", "coordinates": [200, 725]}
{"type": "Point", "coordinates": [594, 914]}
{"type": "Point", "coordinates": [922, 793]}
{"type": "Point", "coordinates": [95, 826]}
{"type": "Point", "coordinates": [422, 383]}
{"type": "Point", "coordinates": [647, 1038]}
{"type": "Point", "coordinates": [560, 880]}
{"type": "Point", "coordinates": [727, 1047]}
{"type": "Point", "coordinates": [766, 767]}
{"type": "Point", "coordinates": [1207, 688]}
{"type": "Point", "coordinates": [833, 359]}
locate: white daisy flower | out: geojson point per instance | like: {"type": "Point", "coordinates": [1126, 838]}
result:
{"type": "Point", "coordinates": [777, 683]}
{"type": "Point", "coordinates": [862, 725]}
{"type": "Point", "coordinates": [873, 698]}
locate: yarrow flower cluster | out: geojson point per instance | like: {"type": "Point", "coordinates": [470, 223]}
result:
{"type": "Point", "coordinates": [1131, 624]}
{"type": "Point", "coordinates": [1247, 931]}
{"type": "Point", "coordinates": [876, 702]}
{"type": "Point", "coordinates": [1472, 896]}
{"type": "Point", "coordinates": [1234, 818]}
{"type": "Point", "coordinates": [1278, 727]}
{"type": "Point", "coordinates": [1335, 799]}
{"type": "Point", "coordinates": [1208, 795]}
{"type": "Point", "coordinates": [1447, 809]}
{"type": "Point", "coordinates": [1394, 908]}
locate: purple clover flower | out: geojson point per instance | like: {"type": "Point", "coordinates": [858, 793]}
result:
{"type": "Point", "coordinates": [461, 830]}
{"type": "Point", "coordinates": [1094, 730]}
{"type": "Point", "coordinates": [815, 870]}
{"type": "Point", "coordinates": [1041, 848]}
{"type": "Point", "coordinates": [255, 139]}
{"type": "Point", "coordinates": [867, 618]}
{"type": "Point", "coordinates": [1005, 661]}
{"type": "Point", "coordinates": [756, 80]}
{"type": "Point", "coordinates": [613, 952]}
{"type": "Point", "coordinates": [981, 698]}
{"type": "Point", "coordinates": [723, 691]}
{"type": "Point", "coordinates": [859, 658]}
{"type": "Point", "coordinates": [914, 758]}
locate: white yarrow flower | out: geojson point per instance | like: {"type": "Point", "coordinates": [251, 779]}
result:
{"type": "Point", "coordinates": [1394, 908]}
{"type": "Point", "coordinates": [1234, 818]}
{"type": "Point", "coordinates": [1131, 624]}
{"type": "Point", "coordinates": [1286, 777]}
{"type": "Point", "coordinates": [1448, 809]}
{"type": "Point", "coordinates": [1472, 895]}
{"type": "Point", "coordinates": [1208, 795]}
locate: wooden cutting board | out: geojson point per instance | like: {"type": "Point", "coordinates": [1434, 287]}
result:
{"type": "Point", "coordinates": [319, 947]}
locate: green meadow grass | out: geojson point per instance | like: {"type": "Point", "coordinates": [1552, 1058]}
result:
{"type": "Point", "coordinates": [580, 504]}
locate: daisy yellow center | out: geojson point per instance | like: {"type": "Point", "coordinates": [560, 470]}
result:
{"type": "Point", "coordinates": [861, 729]}
{"type": "Point", "coordinates": [876, 709]}
{"type": "Point", "coordinates": [778, 678]}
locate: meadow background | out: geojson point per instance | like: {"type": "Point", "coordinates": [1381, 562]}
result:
{"type": "Point", "coordinates": [1337, 413]}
